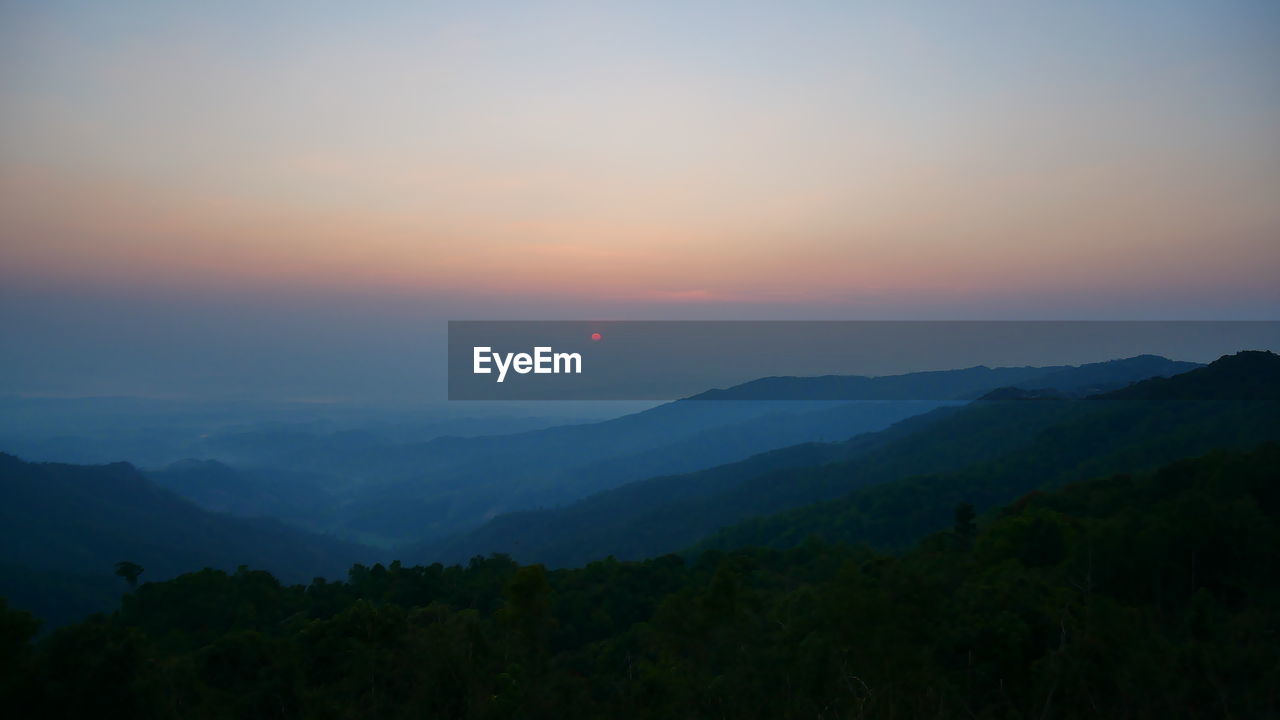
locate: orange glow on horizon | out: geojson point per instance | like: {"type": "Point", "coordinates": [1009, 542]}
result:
{"type": "Point", "coordinates": [668, 155]}
{"type": "Point", "coordinates": [137, 233]}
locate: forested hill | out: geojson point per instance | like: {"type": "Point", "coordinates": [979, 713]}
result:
{"type": "Point", "coordinates": [64, 527]}
{"type": "Point", "coordinates": [1147, 595]}
{"type": "Point", "coordinates": [892, 487]}
{"type": "Point", "coordinates": [1231, 403]}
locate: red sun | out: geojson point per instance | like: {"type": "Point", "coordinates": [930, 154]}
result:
{"type": "Point", "coordinates": [595, 337]}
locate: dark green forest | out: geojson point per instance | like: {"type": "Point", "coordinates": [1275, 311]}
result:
{"type": "Point", "coordinates": [1147, 595]}
{"type": "Point", "coordinates": [1032, 554]}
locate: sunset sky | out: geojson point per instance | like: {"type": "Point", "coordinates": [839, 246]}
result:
{"type": "Point", "coordinates": [171, 168]}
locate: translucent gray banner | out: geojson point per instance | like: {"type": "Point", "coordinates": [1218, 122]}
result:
{"type": "Point", "coordinates": [665, 360]}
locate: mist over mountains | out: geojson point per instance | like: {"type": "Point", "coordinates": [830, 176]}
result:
{"type": "Point", "coordinates": [1008, 442]}
{"type": "Point", "coordinates": [643, 484]}
{"type": "Point", "coordinates": [412, 491]}
{"type": "Point", "coordinates": [1143, 488]}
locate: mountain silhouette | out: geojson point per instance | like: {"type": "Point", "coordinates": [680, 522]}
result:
{"type": "Point", "coordinates": [909, 476]}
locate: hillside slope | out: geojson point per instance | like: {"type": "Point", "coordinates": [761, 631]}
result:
{"type": "Point", "coordinates": [666, 514]}
{"type": "Point", "coordinates": [451, 485]}
{"type": "Point", "coordinates": [1232, 403]}
{"type": "Point", "coordinates": [1148, 596]}
{"type": "Point", "coordinates": [63, 528]}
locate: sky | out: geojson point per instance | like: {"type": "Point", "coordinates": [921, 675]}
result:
{"type": "Point", "coordinates": [240, 197]}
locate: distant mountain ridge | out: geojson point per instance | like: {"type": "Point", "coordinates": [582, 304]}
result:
{"type": "Point", "coordinates": [666, 514]}
{"type": "Point", "coordinates": [1233, 403]}
{"type": "Point", "coordinates": [449, 484]}
{"type": "Point", "coordinates": [64, 526]}
{"type": "Point", "coordinates": [962, 384]}
{"type": "Point", "coordinates": [300, 499]}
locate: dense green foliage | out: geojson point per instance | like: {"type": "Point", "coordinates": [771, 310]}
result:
{"type": "Point", "coordinates": [1150, 595]}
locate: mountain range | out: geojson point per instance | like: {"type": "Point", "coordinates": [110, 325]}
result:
{"type": "Point", "coordinates": [387, 494]}
{"type": "Point", "coordinates": [890, 487]}
{"type": "Point", "coordinates": [65, 526]}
